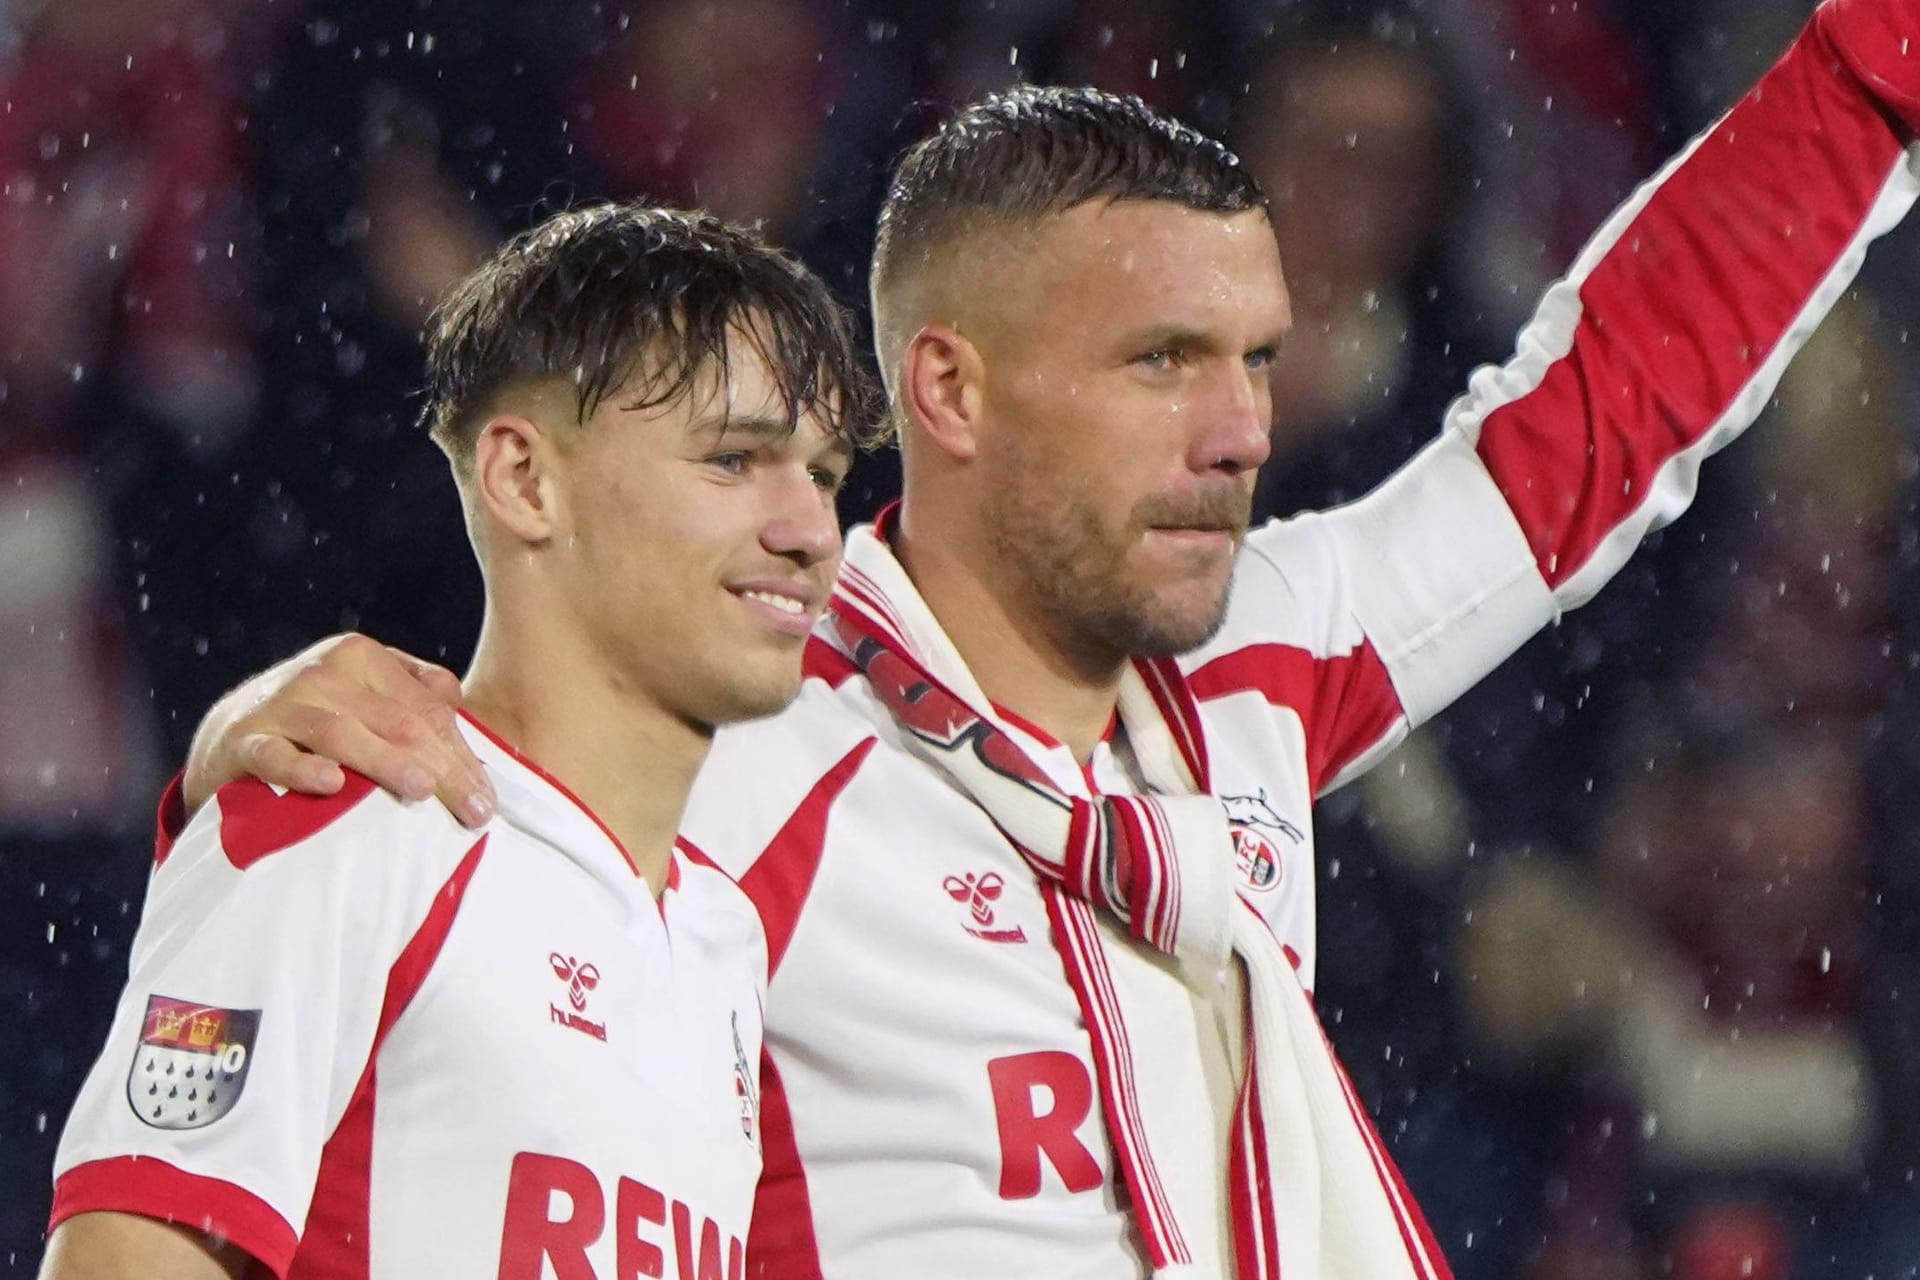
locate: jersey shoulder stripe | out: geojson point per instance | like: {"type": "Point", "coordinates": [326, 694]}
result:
{"type": "Point", "coordinates": [1346, 703]}
{"type": "Point", "coordinates": [256, 821]}
{"type": "Point", "coordinates": [339, 1221]}
{"type": "Point", "coordinates": [781, 1241]}
{"type": "Point", "coordinates": [782, 877]}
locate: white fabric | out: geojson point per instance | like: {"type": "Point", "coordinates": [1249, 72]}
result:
{"type": "Point", "coordinates": [1334, 1210]}
{"type": "Point", "coordinates": [481, 1080]}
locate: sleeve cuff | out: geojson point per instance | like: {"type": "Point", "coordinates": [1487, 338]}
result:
{"type": "Point", "coordinates": [171, 819]}
{"type": "Point", "coordinates": [155, 1189]}
{"type": "Point", "coordinates": [1879, 41]}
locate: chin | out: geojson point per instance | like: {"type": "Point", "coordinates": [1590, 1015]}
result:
{"type": "Point", "coordinates": [1167, 637]}
{"type": "Point", "coordinates": [1178, 626]}
{"type": "Point", "coordinates": [1147, 631]}
{"type": "Point", "coordinates": [754, 698]}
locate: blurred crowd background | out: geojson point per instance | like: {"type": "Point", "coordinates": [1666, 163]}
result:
{"type": "Point", "coordinates": [1621, 952]}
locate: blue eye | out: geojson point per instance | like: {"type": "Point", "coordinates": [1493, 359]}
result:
{"type": "Point", "coordinates": [1161, 358]}
{"type": "Point", "coordinates": [731, 463]}
{"type": "Point", "coordinates": [1261, 358]}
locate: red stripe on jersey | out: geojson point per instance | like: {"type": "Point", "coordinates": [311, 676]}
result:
{"type": "Point", "coordinates": [1347, 703]}
{"type": "Point", "coordinates": [781, 1241]}
{"type": "Point", "coordinates": [334, 1244]}
{"type": "Point", "coordinates": [256, 821]}
{"type": "Point", "coordinates": [155, 1189]}
{"type": "Point", "coordinates": [695, 854]}
{"type": "Point", "coordinates": [821, 661]}
{"type": "Point", "coordinates": [1780, 217]}
{"type": "Point", "coordinates": [1875, 41]}
{"type": "Point", "coordinates": [171, 819]}
{"type": "Point", "coordinates": [781, 878]}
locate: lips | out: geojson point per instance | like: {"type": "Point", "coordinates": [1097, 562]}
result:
{"type": "Point", "coordinates": [787, 606]}
{"type": "Point", "coordinates": [784, 603]}
{"type": "Point", "coordinates": [1192, 533]}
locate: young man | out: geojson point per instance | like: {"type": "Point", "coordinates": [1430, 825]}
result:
{"type": "Point", "coordinates": [403, 1069]}
{"type": "Point", "coordinates": [1005, 1036]}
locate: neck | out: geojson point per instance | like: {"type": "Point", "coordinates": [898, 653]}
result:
{"type": "Point", "coordinates": [1020, 662]}
{"type": "Point", "coordinates": [630, 760]}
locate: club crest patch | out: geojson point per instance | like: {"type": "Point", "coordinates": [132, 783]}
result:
{"type": "Point", "coordinates": [746, 1095]}
{"type": "Point", "coordinates": [1255, 825]}
{"type": "Point", "coordinates": [191, 1062]}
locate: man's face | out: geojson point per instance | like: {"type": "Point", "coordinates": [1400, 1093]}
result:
{"type": "Point", "coordinates": [703, 541]}
{"type": "Point", "coordinates": [1126, 409]}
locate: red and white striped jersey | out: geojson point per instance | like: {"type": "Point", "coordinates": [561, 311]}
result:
{"type": "Point", "coordinates": [360, 1041]}
{"type": "Point", "coordinates": [929, 1099]}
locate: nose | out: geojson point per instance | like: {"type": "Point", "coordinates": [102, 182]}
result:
{"type": "Point", "coordinates": [1235, 436]}
{"type": "Point", "coordinates": [801, 524]}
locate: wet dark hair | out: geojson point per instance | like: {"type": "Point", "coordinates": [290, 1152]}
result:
{"type": "Point", "coordinates": [1036, 150]}
{"type": "Point", "coordinates": [620, 297]}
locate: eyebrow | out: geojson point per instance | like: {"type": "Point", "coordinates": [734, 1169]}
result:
{"type": "Point", "coordinates": [759, 429]}
{"type": "Point", "coordinates": [1170, 335]}
{"type": "Point", "coordinates": [1177, 335]}
{"type": "Point", "coordinates": [753, 427]}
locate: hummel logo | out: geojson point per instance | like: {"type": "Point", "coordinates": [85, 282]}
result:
{"type": "Point", "coordinates": [580, 979]}
{"type": "Point", "coordinates": [979, 893]}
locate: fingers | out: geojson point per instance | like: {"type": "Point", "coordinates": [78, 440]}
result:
{"type": "Point", "coordinates": [378, 712]}
{"type": "Point", "coordinates": [347, 701]}
{"type": "Point", "coordinates": [437, 680]}
{"type": "Point", "coordinates": [460, 781]}
{"type": "Point", "coordinates": [345, 730]}
{"type": "Point", "coordinates": [279, 763]}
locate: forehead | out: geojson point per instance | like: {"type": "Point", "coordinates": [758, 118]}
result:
{"type": "Point", "coordinates": [668, 380]}
{"type": "Point", "coordinates": [1127, 262]}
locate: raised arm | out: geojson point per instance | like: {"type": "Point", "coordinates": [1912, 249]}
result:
{"type": "Point", "coordinates": [1662, 344]}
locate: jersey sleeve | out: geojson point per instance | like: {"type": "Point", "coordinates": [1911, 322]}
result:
{"type": "Point", "coordinates": [275, 935]}
{"type": "Point", "coordinates": [1660, 346]}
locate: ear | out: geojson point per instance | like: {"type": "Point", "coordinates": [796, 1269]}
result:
{"type": "Point", "coordinates": [942, 381]}
{"type": "Point", "coordinates": [513, 477]}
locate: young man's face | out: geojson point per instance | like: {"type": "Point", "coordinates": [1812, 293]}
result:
{"type": "Point", "coordinates": [703, 541]}
{"type": "Point", "coordinates": [1127, 409]}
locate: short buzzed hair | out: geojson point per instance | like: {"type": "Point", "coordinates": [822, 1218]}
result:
{"type": "Point", "coordinates": [622, 297]}
{"type": "Point", "coordinates": [1037, 150]}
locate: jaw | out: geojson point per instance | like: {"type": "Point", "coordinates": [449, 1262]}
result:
{"type": "Point", "coordinates": [1178, 601]}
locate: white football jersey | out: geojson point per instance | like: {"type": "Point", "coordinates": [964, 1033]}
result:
{"type": "Point", "coordinates": [930, 1100]}
{"type": "Point", "coordinates": [361, 1041]}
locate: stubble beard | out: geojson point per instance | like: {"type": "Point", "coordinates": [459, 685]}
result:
{"type": "Point", "coordinates": [1074, 570]}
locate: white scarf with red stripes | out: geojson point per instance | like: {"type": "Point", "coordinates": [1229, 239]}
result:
{"type": "Point", "coordinates": [1313, 1194]}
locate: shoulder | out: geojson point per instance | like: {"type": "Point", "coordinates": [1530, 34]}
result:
{"type": "Point", "coordinates": [766, 776]}
{"type": "Point", "coordinates": [287, 844]}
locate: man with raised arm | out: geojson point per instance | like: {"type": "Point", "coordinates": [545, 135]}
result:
{"type": "Point", "coordinates": [359, 1040]}
{"type": "Point", "coordinates": [1033, 848]}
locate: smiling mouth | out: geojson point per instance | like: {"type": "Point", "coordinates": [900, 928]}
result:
{"type": "Point", "coordinates": [779, 611]}
{"type": "Point", "coordinates": [786, 604]}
